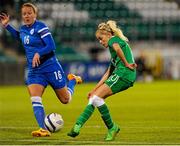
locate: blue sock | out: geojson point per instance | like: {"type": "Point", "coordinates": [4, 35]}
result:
{"type": "Point", "coordinates": [38, 110]}
{"type": "Point", "coordinates": [71, 86]}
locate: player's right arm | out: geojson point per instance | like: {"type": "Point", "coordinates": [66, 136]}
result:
{"type": "Point", "coordinates": [120, 54]}
{"type": "Point", "coordinates": [104, 77]}
{"type": "Point", "coordinates": [4, 19]}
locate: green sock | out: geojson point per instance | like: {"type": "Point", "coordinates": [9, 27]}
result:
{"type": "Point", "coordinates": [103, 109]}
{"type": "Point", "coordinates": [85, 115]}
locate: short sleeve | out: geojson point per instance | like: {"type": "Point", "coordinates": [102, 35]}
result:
{"type": "Point", "coordinates": [116, 39]}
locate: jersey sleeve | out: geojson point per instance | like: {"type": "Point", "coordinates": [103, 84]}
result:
{"type": "Point", "coordinates": [49, 46]}
{"type": "Point", "coordinates": [116, 40]}
{"type": "Point", "coordinates": [43, 30]}
{"type": "Point", "coordinates": [13, 31]}
{"type": "Point", "coordinates": [47, 38]}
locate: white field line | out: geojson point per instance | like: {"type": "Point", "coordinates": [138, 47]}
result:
{"type": "Point", "coordinates": [96, 126]}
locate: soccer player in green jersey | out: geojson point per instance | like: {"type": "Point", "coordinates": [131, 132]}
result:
{"type": "Point", "coordinates": [120, 75]}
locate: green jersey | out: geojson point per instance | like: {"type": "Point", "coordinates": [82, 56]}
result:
{"type": "Point", "coordinates": [120, 69]}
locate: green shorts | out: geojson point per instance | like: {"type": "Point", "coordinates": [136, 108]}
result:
{"type": "Point", "coordinates": [117, 83]}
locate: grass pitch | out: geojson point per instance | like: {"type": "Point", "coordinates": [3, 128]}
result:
{"type": "Point", "coordinates": [148, 113]}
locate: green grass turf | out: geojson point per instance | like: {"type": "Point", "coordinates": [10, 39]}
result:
{"type": "Point", "coordinates": [147, 114]}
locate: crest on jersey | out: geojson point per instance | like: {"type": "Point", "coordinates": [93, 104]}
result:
{"type": "Point", "coordinates": [32, 31]}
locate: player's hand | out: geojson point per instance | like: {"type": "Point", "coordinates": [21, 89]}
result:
{"type": "Point", "coordinates": [4, 19]}
{"type": "Point", "coordinates": [36, 60]}
{"type": "Point", "coordinates": [90, 94]}
{"type": "Point", "coordinates": [131, 66]}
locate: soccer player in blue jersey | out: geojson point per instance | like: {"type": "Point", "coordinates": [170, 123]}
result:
{"type": "Point", "coordinates": [43, 66]}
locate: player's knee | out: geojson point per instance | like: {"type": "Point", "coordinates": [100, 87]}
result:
{"type": "Point", "coordinates": [96, 101]}
{"type": "Point", "coordinates": [65, 100]}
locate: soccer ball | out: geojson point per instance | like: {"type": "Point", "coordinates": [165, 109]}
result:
{"type": "Point", "coordinates": [53, 122]}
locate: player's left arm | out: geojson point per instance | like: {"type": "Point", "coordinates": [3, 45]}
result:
{"type": "Point", "coordinates": [45, 35]}
{"type": "Point", "coordinates": [120, 54]}
{"type": "Point", "coordinates": [49, 46]}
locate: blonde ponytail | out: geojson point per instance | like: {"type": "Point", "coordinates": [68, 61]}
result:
{"type": "Point", "coordinates": [117, 31]}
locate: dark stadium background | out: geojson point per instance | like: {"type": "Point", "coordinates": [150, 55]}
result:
{"type": "Point", "coordinates": [152, 26]}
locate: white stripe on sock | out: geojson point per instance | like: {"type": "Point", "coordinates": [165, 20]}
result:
{"type": "Point", "coordinates": [36, 105]}
{"type": "Point", "coordinates": [36, 99]}
{"type": "Point", "coordinates": [70, 96]}
{"type": "Point", "coordinates": [71, 91]}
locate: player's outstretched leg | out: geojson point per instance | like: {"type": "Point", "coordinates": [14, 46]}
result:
{"type": "Point", "coordinates": [85, 115]}
{"type": "Point", "coordinates": [39, 115]}
{"type": "Point", "coordinates": [113, 128]}
{"type": "Point", "coordinates": [73, 80]}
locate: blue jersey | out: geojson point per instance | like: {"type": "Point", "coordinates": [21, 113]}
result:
{"type": "Point", "coordinates": [38, 39]}
{"type": "Point", "coordinates": [35, 39]}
